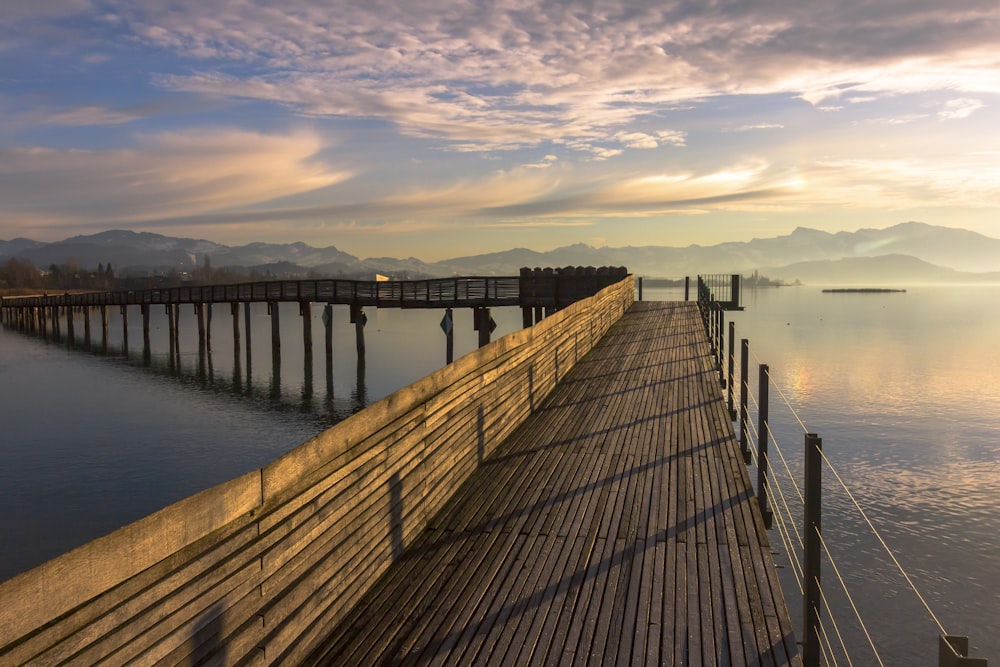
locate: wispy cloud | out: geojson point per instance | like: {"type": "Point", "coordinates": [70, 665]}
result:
{"type": "Point", "coordinates": [170, 174]}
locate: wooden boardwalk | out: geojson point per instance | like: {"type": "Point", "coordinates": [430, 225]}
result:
{"type": "Point", "coordinates": [615, 527]}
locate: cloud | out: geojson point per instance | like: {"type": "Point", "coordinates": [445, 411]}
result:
{"type": "Point", "coordinates": [499, 76]}
{"type": "Point", "coordinates": [167, 174]}
{"type": "Point", "coordinates": [960, 108]}
{"type": "Point", "coordinates": [89, 115]}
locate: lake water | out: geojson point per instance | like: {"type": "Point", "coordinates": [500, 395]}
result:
{"type": "Point", "coordinates": [905, 392]}
{"type": "Point", "coordinates": [903, 389]}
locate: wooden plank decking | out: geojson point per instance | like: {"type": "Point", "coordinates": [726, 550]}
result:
{"type": "Point", "coordinates": [616, 526]}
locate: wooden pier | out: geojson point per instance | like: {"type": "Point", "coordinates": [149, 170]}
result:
{"type": "Point", "coordinates": [615, 526]}
{"type": "Point", "coordinates": [572, 493]}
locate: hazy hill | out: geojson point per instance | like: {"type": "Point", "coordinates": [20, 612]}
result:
{"type": "Point", "coordinates": [884, 271]}
{"type": "Point", "coordinates": [805, 254]}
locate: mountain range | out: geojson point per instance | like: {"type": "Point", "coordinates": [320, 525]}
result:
{"type": "Point", "coordinates": [904, 253]}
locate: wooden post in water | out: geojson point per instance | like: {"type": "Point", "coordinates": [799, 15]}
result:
{"type": "Point", "coordinates": [42, 323]}
{"type": "Point", "coordinates": [56, 333]}
{"type": "Point", "coordinates": [272, 309]}
{"type": "Point", "coordinates": [359, 319]}
{"type": "Point", "coordinates": [811, 646]}
{"type": "Point", "coordinates": [246, 330]}
{"type": "Point", "coordinates": [147, 354]}
{"type": "Point", "coordinates": [86, 326]}
{"type": "Point", "coordinates": [177, 333]}
{"type": "Point", "coordinates": [448, 326]}
{"type": "Point", "coordinates": [104, 329]}
{"type": "Point", "coordinates": [124, 312]}
{"type": "Point", "coordinates": [483, 323]}
{"type": "Point", "coordinates": [744, 398]}
{"type": "Point", "coordinates": [328, 333]}
{"type": "Point", "coordinates": [70, 331]}
{"type": "Point", "coordinates": [305, 311]}
{"type": "Point", "coordinates": [208, 327]}
{"type": "Point", "coordinates": [234, 310]}
{"type": "Point", "coordinates": [172, 340]}
{"type": "Point", "coordinates": [199, 311]}
{"type": "Point", "coordinates": [762, 389]}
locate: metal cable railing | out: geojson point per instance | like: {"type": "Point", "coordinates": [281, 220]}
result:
{"type": "Point", "coordinates": [825, 642]}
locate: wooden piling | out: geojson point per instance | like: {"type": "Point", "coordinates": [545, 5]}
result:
{"type": "Point", "coordinates": [124, 313]}
{"type": "Point", "coordinates": [358, 318]}
{"type": "Point", "coordinates": [147, 353]}
{"type": "Point", "coordinates": [272, 309]}
{"type": "Point", "coordinates": [246, 331]}
{"type": "Point", "coordinates": [328, 336]}
{"type": "Point", "coordinates": [104, 329]}
{"type": "Point", "coordinates": [448, 325]}
{"type": "Point", "coordinates": [86, 326]}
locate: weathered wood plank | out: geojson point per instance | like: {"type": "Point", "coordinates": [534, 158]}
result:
{"type": "Point", "coordinates": [615, 526]}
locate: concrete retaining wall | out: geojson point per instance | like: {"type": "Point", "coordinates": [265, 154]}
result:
{"type": "Point", "coordinates": [258, 569]}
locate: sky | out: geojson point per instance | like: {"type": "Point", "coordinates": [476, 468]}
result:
{"type": "Point", "coordinates": [440, 128]}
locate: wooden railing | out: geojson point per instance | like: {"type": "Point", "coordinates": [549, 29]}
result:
{"type": "Point", "coordinates": [534, 287]}
{"type": "Point", "coordinates": [260, 568]}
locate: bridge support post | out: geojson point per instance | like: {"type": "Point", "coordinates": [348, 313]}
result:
{"type": "Point", "coordinates": [124, 311]}
{"type": "Point", "coordinates": [234, 311]}
{"type": "Point", "coordinates": [811, 647]}
{"type": "Point", "coordinates": [328, 334]}
{"type": "Point", "coordinates": [70, 330]}
{"type": "Point", "coordinates": [448, 325]}
{"type": "Point", "coordinates": [762, 389]}
{"type": "Point", "coordinates": [483, 323]}
{"type": "Point", "coordinates": [199, 312]}
{"type": "Point", "coordinates": [172, 329]}
{"type": "Point", "coordinates": [246, 330]}
{"type": "Point", "coordinates": [104, 329]}
{"type": "Point", "coordinates": [305, 310]}
{"type": "Point", "coordinates": [272, 309]}
{"type": "Point", "coordinates": [208, 327]}
{"type": "Point", "coordinates": [147, 354]}
{"type": "Point", "coordinates": [86, 326]}
{"type": "Point", "coordinates": [359, 319]}
{"type": "Point", "coordinates": [56, 332]}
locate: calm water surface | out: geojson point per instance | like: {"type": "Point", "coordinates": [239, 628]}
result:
{"type": "Point", "coordinates": [905, 392]}
{"type": "Point", "coordinates": [93, 441]}
{"type": "Point", "coordinates": [903, 388]}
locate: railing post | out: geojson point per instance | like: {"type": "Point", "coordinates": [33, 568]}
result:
{"type": "Point", "coordinates": [731, 365]}
{"type": "Point", "coordinates": [720, 344]}
{"type": "Point", "coordinates": [762, 388]}
{"type": "Point", "coordinates": [953, 651]}
{"type": "Point", "coordinates": [640, 288]}
{"type": "Point", "coordinates": [744, 391]}
{"type": "Point", "coordinates": [687, 288]}
{"type": "Point", "coordinates": [811, 646]}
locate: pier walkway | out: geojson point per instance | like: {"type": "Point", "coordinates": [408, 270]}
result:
{"type": "Point", "coordinates": [614, 526]}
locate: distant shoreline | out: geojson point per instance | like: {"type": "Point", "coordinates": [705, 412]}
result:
{"type": "Point", "coordinates": [862, 290]}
